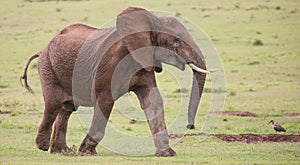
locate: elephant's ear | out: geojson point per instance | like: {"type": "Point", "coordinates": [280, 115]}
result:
{"type": "Point", "coordinates": [134, 25]}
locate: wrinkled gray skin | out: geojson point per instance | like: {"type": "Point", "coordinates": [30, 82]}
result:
{"type": "Point", "coordinates": [164, 39]}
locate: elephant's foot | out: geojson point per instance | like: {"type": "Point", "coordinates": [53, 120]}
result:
{"type": "Point", "coordinates": [166, 152]}
{"type": "Point", "coordinates": [58, 148]}
{"type": "Point", "coordinates": [88, 146]}
{"type": "Point", "coordinates": [190, 126]}
{"type": "Point", "coordinates": [87, 151]}
{"type": "Point", "coordinates": [42, 142]}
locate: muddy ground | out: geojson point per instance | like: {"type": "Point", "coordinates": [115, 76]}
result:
{"type": "Point", "coordinates": [249, 114]}
{"type": "Point", "coordinates": [247, 138]}
{"type": "Point", "coordinates": [235, 113]}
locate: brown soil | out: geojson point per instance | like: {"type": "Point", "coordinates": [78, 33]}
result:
{"type": "Point", "coordinates": [249, 114]}
{"type": "Point", "coordinates": [247, 138]}
{"type": "Point", "coordinates": [4, 112]}
{"type": "Point", "coordinates": [242, 114]}
{"type": "Point", "coordinates": [294, 115]}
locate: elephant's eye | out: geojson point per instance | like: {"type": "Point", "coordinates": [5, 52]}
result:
{"type": "Point", "coordinates": [177, 42]}
{"type": "Point", "coordinates": [177, 39]}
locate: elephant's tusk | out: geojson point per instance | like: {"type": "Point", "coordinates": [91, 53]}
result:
{"type": "Point", "coordinates": [196, 68]}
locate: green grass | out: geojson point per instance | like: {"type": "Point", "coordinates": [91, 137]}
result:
{"type": "Point", "coordinates": [258, 42]}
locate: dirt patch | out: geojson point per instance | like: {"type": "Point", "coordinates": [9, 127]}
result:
{"type": "Point", "coordinates": [247, 138]}
{"type": "Point", "coordinates": [258, 138]}
{"type": "Point", "coordinates": [294, 115]}
{"type": "Point", "coordinates": [4, 112]}
{"type": "Point", "coordinates": [234, 113]}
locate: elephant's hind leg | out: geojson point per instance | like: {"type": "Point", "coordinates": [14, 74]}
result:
{"type": "Point", "coordinates": [58, 141]}
{"type": "Point", "coordinates": [53, 96]}
{"type": "Point", "coordinates": [44, 133]}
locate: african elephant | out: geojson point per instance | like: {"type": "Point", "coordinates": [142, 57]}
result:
{"type": "Point", "coordinates": [136, 47]}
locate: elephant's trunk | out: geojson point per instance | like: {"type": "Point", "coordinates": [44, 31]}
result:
{"type": "Point", "coordinates": [199, 75]}
{"type": "Point", "coordinates": [194, 58]}
{"type": "Point", "coordinates": [197, 88]}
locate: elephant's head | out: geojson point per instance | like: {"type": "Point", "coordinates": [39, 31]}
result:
{"type": "Point", "coordinates": [163, 39]}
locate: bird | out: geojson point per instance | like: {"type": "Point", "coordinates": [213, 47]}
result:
{"type": "Point", "coordinates": [133, 121]}
{"type": "Point", "coordinates": [277, 127]}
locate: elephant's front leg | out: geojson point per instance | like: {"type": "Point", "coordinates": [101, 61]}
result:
{"type": "Point", "coordinates": [152, 103]}
{"type": "Point", "coordinates": [102, 112]}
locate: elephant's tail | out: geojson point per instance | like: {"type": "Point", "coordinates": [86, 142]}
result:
{"type": "Point", "coordinates": [24, 75]}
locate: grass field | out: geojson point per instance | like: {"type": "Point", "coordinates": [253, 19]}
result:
{"type": "Point", "coordinates": [258, 43]}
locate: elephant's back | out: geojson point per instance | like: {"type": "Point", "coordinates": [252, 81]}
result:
{"type": "Point", "coordinates": [79, 30]}
{"type": "Point", "coordinates": [59, 58]}
{"type": "Point", "coordinates": [61, 53]}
